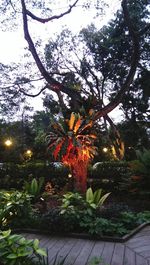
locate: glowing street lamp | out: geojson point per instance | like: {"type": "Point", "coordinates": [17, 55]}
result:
{"type": "Point", "coordinates": [8, 142]}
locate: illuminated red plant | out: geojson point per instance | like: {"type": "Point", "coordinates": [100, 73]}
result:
{"type": "Point", "coordinates": [71, 143]}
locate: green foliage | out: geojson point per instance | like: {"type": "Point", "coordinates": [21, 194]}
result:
{"type": "Point", "coordinates": [118, 226]}
{"type": "Point", "coordinates": [76, 204]}
{"type": "Point", "coordinates": [144, 158]}
{"type": "Point", "coordinates": [100, 226]}
{"type": "Point", "coordinates": [72, 204]}
{"type": "Point", "coordinates": [34, 188]}
{"type": "Point", "coordinates": [95, 199]}
{"type": "Point", "coordinates": [141, 169]}
{"type": "Point", "coordinates": [82, 211]}
{"type": "Point", "coordinates": [58, 223]}
{"type": "Point", "coordinates": [13, 205]}
{"type": "Point", "coordinates": [131, 219]}
{"type": "Point", "coordinates": [114, 176]}
{"type": "Point", "coordinates": [92, 223]}
{"type": "Point", "coordinates": [16, 250]}
{"type": "Point", "coordinates": [14, 175]}
{"type": "Point", "coordinates": [97, 261]}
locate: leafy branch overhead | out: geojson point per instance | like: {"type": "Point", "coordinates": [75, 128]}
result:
{"type": "Point", "coordinates": [60, 87]}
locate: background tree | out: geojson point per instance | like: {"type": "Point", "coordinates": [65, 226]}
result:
{"type": "Point", "coordinates": [98, 71]}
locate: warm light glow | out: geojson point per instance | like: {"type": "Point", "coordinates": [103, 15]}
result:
{"type": "Point", "coordinates": [85, 152]}
{"type": "Point", "coordinates": [8, 142]}
{"type": "Point", "coordinates": [69, 176]}
{"type": "Point", "coordinates": [28, 153]}
{"type": "Point", "coordinates": [105, 149]}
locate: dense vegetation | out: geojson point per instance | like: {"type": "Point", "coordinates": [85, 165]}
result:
{"type": "Point", "coordinates": [69, 167]}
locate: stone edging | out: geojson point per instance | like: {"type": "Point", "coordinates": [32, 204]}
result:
{"type": "Point", "coordinates": [85, 236]}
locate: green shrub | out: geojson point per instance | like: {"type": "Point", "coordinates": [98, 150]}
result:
{"type": "Point", "coordinates": [141, 173]}
{"type": "Point", "coordinates": [102, 226]}
{"type": "Point", "coordinates": [55, 222]}
{"type": "Point", "coordinates": [16, 250]}
{"type": "Point", "coordinates": [95, 199]}
{"type": "Point", "coordinates": [14, 205]}
{"type": "Point", "coordinates": [113, 176]}
{"type": "Point", "coordinates": [34, 187]}
{"type": "Point", "coordinates": [14, 175]}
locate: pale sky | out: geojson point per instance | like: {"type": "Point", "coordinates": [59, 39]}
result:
{"type": "Point", "coordinates": [75, 21]}
{"type": "Point", "coordinates": [12, 44]}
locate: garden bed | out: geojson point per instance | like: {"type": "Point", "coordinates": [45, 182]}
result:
{"type": "Point", "coordinates": [73, 216]}
{"type": "Point", "coordinates": [85, 236]}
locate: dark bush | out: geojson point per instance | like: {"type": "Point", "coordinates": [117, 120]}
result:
{"type": "Point", "coordinates": [14, 175]}
{"type": "Point", "coordinates": [112, 176]}
{"type": "Point", "coordinates": [55, 222]}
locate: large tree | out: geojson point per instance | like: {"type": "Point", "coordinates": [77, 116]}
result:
{"type": "Point", "coordinates": [97, 64]}
{"type": "Point", "coordinates": [56, 81]}
{"type": "Point", "coordinates": [83, 88]}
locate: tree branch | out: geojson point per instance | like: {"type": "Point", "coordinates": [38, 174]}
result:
{"type": "Point", "coordinates": [53, 84]}
{"type": "Point", "coordinates": [31, 95]}
{"type": "Point", "coordinates": [134, 63]}
{"type": "Point", "coordinates": [45, 20]}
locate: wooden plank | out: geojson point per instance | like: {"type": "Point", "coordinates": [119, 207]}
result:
{"type": "Point", "coordinates": [129, 257]}
{"type": "Point", "coordinates": [47, 242]}
{"type": "Point", "coordinates": [108, 252]}
{"type": "Point", "coordinates": [84, 253]}
{"type": "Point", "coordinates": [54, 250]}
{"type": "Point", "coordinates": [75, 251]}
{"type": "Point", "coordinates": [140, 260]}
{"type": "Point", "coordinates": [97, 250]}
{"type": "Point", "coordinates": [135, 251]}
{"type": "Point", "coordinates": [142, 233]}
{"type": "Point", "coordinates": [118, 254]}
{"type": "Point", "coordinates": [138, 239]}
{"type": "Point", "coordinates": [138, 243]}
{"type": "Point", "coordinates": [142, 248]}
{"type": "Point", "coordinates": [65, 250]}
{"type": "Point", "coordinates": [145, 254]}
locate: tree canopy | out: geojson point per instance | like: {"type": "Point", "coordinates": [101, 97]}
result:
{"type": "Point", "coordinates": [97, 70]}
{"type": "Point", "coordinates": [85, 83]}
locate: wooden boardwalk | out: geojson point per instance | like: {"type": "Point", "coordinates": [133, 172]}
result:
{"type": "Point", "coordinates": [135, 251]}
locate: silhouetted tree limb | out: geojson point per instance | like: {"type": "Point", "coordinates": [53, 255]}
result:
{"type": "Point", "coordinates": [45, 20]}
{"type": "Point", "coordinates": [53, 84]}
{"type": "Point", "coordinates": [134, 63]}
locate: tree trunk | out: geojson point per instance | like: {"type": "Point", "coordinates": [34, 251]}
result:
{"type": "Point", "coordinates": [79, 173]}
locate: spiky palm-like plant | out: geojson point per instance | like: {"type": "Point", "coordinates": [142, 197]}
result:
{"type": "Point", "coordinates": [71, 142]}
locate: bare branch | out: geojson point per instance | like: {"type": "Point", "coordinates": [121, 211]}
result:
{"type": "Point", "coordinates": [31, 95]}
{"type": "Point", "coordinates": [45, 20]}
{"type": "Point", "coordinates": [53, 84]}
